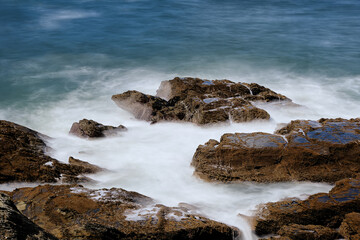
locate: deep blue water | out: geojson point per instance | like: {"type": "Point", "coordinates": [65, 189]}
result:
{"type": "Point", "coordinates": [39, 39]}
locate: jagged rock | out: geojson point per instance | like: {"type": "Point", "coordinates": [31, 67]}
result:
{"type": "Point", "coordinates": [325, 209]}
{"type": "Point", "coordinates": [90, 129]}
{"type": "Point", "coordinates": [15, 226]}
{"type": "Point", "coordinates": [215, 88]}
{"type": "Point", "coordinates": [199, 101]}
{"type": "Point", "coordinates": [350, 227]}
{"type": "Point", "coordinates": [84, 166]}
{"type": "Point", "coordinates": [23, 158]}
{"type": "Point", "coordinates": [303, 151]}
{"type": "Point", "coordinates": [74, 212]}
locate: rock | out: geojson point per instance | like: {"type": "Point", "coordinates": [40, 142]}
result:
{"type": "Point", "coordinates": [23, 158]}
{"type": "Point", "coordinates": [302, 151]}
{"type": "Point", "coordinates": [90, 129]}
{"type": "Point", "coordinates": [305, 232]}
{"type": "Point", "coordinates": [199, 101]}
{"type": "Point", "coordinates": [216, 88]}
{"type": "Point", "coordinates": [83, 166]}
{"type": "Point", "coordinates": [14, 225]}
{"type": "Point", "coordinates": [74, 212]}
{"type": "Point", "coordinates": [325, 209]}
{"type": "Point", "coordinates": [239, 156]}
{"type": "Point", "coordinates": [308, 232]}
{"type": "Point", "coordinates": [350, 227]}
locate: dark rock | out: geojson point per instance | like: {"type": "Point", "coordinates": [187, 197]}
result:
{"type": "Point", "coordinates": [350, 227]}
{"type": "Point", "coordinates": [306, 151]}
{"type": "Point", "coordinates": [199, 101]}
{"type": "Point", "coordinates": [15, 226]}
{"type": "Point", "coordinates": [23, 158]}
{"type": "Point", "coordinates": [90, 129]}
{"type": "Point", "coordinates": [325, 209]}
{"type": "Point", "coordinates": [74, 212]}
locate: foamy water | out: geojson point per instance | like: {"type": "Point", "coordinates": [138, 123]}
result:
{"type": "Point", "coordinates": [155, 159]}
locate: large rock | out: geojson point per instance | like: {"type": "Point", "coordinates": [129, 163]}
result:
{"type": "Point", "coordinates": [324, 209]}
{"type": "Point", "coordinates": [303, 151]}
{"type": "Point", "coordinates": [90, 129]}
{"type": "Point", "coordinates": [23, 158]}
{"type": "Point", "coordinates": [199, 101]}
{"type": "Point", "coordinates": [15, 226]}
{"type": "Point", "coordinates": [74, 212]}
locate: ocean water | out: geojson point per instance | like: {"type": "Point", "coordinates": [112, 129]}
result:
{"type": "Point", "coordinates": [60, 61]}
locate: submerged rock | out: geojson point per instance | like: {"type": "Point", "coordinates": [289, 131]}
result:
{"type": "Point", "coordinates": [14, 225]}
{"type": "Point", "coordinates": [323, 209]}
{"type": "Point", "coordinates": [74, 212]}
{"type": "Point", "coordinates": [199, 101]}
{"type": "Point", "coordinates": [90, 129]}
{"type": "Point", "coordinates": [23, 158]}
{"type": "Point", "coordinates": [303, 151]}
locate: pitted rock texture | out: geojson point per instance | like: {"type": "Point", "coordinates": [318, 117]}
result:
{"type": "Point", "coordinates": [305, 232]}
{"type": "Point", "coordinates": [15, 226]}
{"type": "Point", "coordinates": [90, 129]}
{"type": "Point", "coordinates": [199, 101]}
{"type": "Point", "coordinates": [303, 151]}
{"type": "Point", "coordinates": [350, 227]}
{"type": "Point", "coordinates": [74, 212]}
{"type": "Point", "coordinates": [329, 210]}
{"type": "Point", "coordinates": [23, 158]}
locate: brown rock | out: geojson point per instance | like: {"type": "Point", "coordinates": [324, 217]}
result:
{"type": "Point", "coordinates": [325, 209]}
{"type": "Point", "coordinates": [350, 227]}
{"type": "Point", "coordinates": [239, 156]}
{"type": "Point", "coordinates": [90, 129]}
{"type": "Point", "coordinates": [23, 158]}
{"type": "Point", "coordinates": [308, 232]}
{"type": "Point", "coordinates": [74, 212]}
{"type": "Point", "coordinates": [14, 225]}
{"type": "Point", "coordinates": [306, 151]}
{"type": "Point", "coordinates": [84, 167]}
{"type": "Point", "coordinates": [216, 88]}
{"type": "Point", "coordinates": [199, 101]}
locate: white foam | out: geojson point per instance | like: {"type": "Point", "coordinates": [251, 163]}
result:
{"type": "Point", "coordinates": [54, 19]}
{"type": "Point", "coordinates": [48, 164]}
{"type": "Point", "coordinates": [155, 159]}
{"type": "Point", "coordinates": [142, 214]}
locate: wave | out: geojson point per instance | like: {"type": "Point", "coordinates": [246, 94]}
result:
{"type": "Point", "coordinates": [55, 19]}
{"type": "Point", "coordinates": [155, 159]}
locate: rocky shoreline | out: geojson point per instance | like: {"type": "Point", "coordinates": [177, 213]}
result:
{"type": "Point", "coordinates": [326, 150]}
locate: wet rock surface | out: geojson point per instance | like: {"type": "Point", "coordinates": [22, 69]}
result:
{"type": "Point", "coordinates": [303, 151]}
{"type": "Point", "coordinates": [199, 101]}
{"type": "Point", "coordinates": [23, 158]}
{"type": "Point", "coordinates": [292, 217]}
{"type": "Point", "coordinates": [74, 212]}
{"type": "Point", "coordinates": [15, 226]}
{"type": "Point", "coordinates": [90, 129]}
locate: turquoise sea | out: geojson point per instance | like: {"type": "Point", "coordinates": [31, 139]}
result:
{"type": "Point", "coordinates": [60, 61]}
